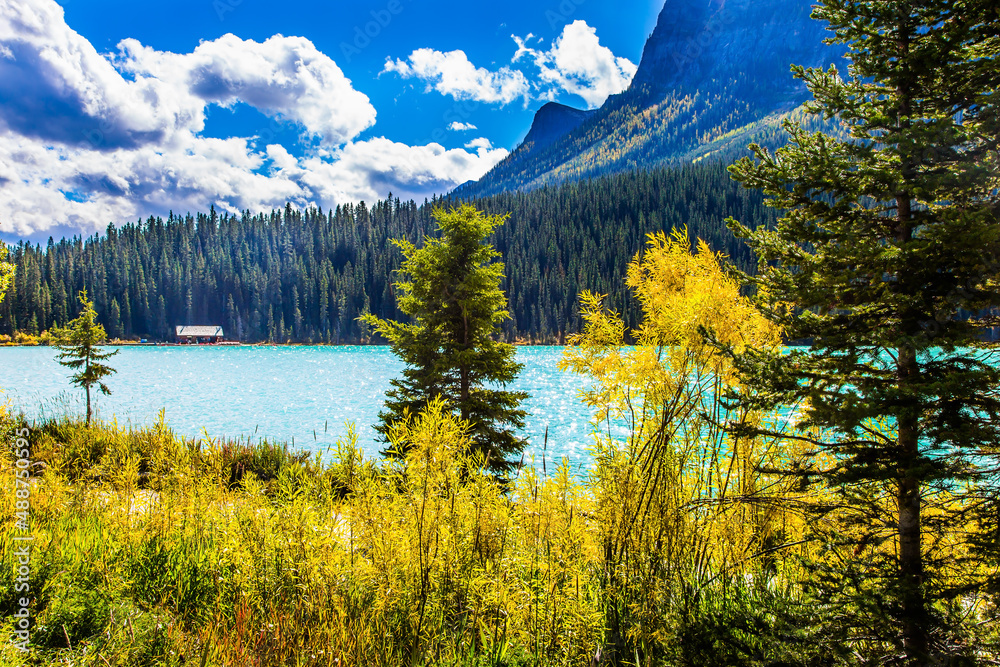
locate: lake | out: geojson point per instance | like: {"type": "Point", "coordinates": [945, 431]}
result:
{"type": "Point", "coordinates": [299, 394]}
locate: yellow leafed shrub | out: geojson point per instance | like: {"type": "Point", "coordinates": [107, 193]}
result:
{"type": "Point", "coordinates": [682, 504]}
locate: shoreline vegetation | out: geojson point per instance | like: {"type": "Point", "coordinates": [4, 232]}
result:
{"type": "Point", "coordinates": [684, 544]}
{"type": "Point", "coordinates": [45, 339]}
{"type": "Point", "coordinates": [152, 548]}
{"type": "Point", "coordinates": [26, 340]}
{"type": "Point", "coordinates": [121, 343]}
{"type": "Point", "coordinates": [155, 549]}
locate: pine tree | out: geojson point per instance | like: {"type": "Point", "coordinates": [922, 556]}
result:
{"type": "Point", "coordinates": [78, 350]}
{"type": "Point", "coordinates": [885, 260]}
{"type": "Point", "coordinates": [450, 289]}
{"type": "Point", "coordinates": [231, 318]}
{"type": "Point", "coordinates": [162, 328]}
{"type": "Point", "coordinates": [114, 318]}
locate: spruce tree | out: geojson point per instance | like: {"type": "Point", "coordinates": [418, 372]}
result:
{"type": "Point", "coordinates": [115, 318]}
{"type": "Point", "coordinates": [78, 350]}
{"type": "Point", "coordinates": [450, 289]}
{"type": "Point", "coordinates": [886, 261]}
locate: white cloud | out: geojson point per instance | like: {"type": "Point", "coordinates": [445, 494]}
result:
{"type": "Point", "coordinates": [480, 144]}
{"type": "Point", "coordinates": [49, 69]}
{"type": "Point", "coordinates": [577, 63]}
{"type": "Point", "coordinates": [366, 169]}
{"type": "Point", "coordinates": [81, 145]}
{"type": "Point", "coordinates": [461, 127]}
{"type": "Point", "coordinates": [82, 189]}
{"type": "Point", "coordinates": [285, 77]}
{"type": "Point", "coordinates": [46, 66]}
{"type": "Point", "coordinates": [453, 74]}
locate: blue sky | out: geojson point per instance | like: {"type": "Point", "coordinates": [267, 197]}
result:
{"type": "Point", "coordinates": [111, 110]}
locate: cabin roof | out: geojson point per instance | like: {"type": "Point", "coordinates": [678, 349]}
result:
{"type": "Point", "coordinates": [200, 331]}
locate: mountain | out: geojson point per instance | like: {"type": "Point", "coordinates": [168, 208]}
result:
{"type": "Point", "coordinates": [714, 76]}
{"type": "Point", "coordinates": [552, 122]}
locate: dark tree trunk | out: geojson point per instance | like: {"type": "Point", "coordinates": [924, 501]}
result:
{"type": "Point", "coordinates": [911, 567]}
{"type": "Point", "coordinates": [87, 386]}
{"type": "Point", "coordinates": [464, 370]}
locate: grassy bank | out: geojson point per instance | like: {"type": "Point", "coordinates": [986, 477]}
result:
{"type": "Point", "coordinates": [155, 549]}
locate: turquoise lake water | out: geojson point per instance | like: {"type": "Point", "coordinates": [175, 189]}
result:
{"type": "Point", "coordinates": [300, 393]}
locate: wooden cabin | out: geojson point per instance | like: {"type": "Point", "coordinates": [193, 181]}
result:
{"type": "Point", "coordinates": [199, 335]}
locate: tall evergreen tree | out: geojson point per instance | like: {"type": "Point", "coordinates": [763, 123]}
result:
{"type": "Point", "coordinates": [78, 350]}
{"type": "Point", "coordinates": [889, 241]}
{"type": "Point", "coordinates": [115, 319]}
{"type": "Point", "coordinates": [450, 289]}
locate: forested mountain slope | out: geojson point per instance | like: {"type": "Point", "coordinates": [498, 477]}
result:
{"type": "Point", "coordinates": [306, 275]}
{"type": "Point", "coordinates": [713, 77]}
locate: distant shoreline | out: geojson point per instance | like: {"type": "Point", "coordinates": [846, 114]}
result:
{"type": "Point", "coordinates": [236, 344]}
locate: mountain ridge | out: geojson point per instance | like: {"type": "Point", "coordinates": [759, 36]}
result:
{"type": "Point", "coordinates": [552, 122]}
{"type": "Point", "coordinates": [712, 77]}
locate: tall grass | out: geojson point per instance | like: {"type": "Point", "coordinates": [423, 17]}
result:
{"type": "Point", "coordinates": [149, 551]}
{"type": "Point", "coordinates": [156, 549]}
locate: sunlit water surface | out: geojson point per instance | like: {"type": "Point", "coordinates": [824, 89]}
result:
{"type": "Point", "coordinates": [301, 394]}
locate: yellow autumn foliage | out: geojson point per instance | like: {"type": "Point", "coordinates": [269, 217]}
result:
{"type": "Point", "coordinates": [6, 270]}
{"type": "Point", "coordinates": [682, 502]}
